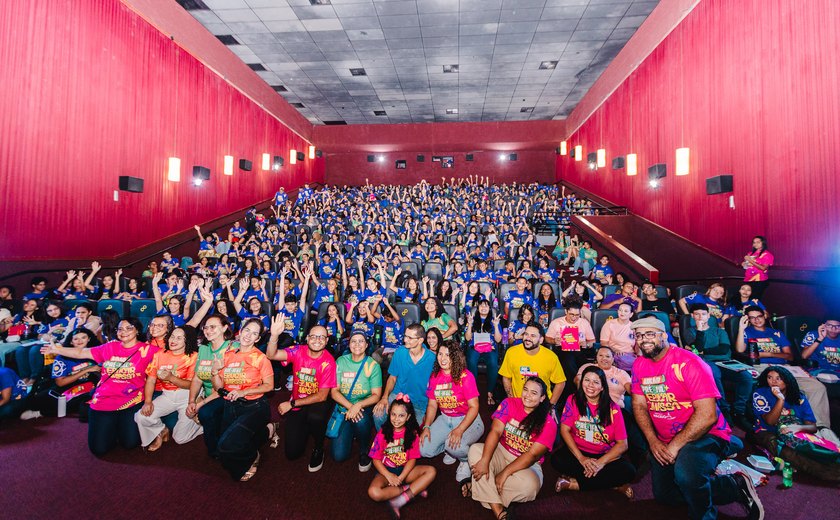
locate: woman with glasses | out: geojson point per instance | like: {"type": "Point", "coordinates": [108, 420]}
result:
{"type": "Point", "coordinates": [571, 336]}
{"type": "Point", "coordinates": [203, 402]}
{"type": "Point", "coordinates": [120, 393]}
{"type": "Point", "coordinates": [309, 409]}
{"type": "Point", "coordinates": [242, 378]}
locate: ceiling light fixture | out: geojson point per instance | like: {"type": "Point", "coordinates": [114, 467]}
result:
{"type": "Point", "coordinates": [451, 111]}
{"type": "Point", "coordinates": [358, 72]}
{"type": "Point", "coordinates": [548, 65]}
{"type": "Point", "coordinates": [451, 68]}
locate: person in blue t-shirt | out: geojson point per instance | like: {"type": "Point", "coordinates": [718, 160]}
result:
{"type": "Point", "coordinates": [254, 310]}
{"type": "Point", "coordinates": [39, 289]}
{"type": "Point", "coordinates": [753, 334]}
{"type": "Point", "coordinates": [518, 297]}
{"type": "Point", "coordinates": [823, 347]}
{"type": "Point", "coordinates": [281, 197]}
{"type": "Point", "coordinates": [740, 302]}
{"type": "Point", "coordinates": [715, 299]}
{"type": "Point", "coordinates": [392, 333]}
{"type": "Point", "coordinates": [292, 312]}
{"type": "Point", "coordinates": [168, 263]}
{"type": "Point", "coordinates": [602, 271]}
{"type": "Point", "coordinates": [13, 394]}
{"type": "Point", "coordinates": [332, 322]}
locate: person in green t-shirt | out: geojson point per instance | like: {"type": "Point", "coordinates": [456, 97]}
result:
{"type": "Point", "coordinates": [357, 399]}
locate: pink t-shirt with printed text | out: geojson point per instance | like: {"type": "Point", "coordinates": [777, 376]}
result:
{"type": "Point", "coordinates": [310, 374]}
{"type": "Point", "coordinates": [122, 384]}
{"type": "Point", "coordinates": [452, 398]}
{"type": "Point", "coordinates": [513, 439]}
{"type": "Point", "coordinates": [754, 274]}
{"type": "Point", "coordinates": [393, 454]}
{"type": "Point", "coordinates": [670, 386]}
{"type": "Point", "coordinates": [589, 435]}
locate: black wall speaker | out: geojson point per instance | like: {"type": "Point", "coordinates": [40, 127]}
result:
{"type": "Point", "coordinates": [277, 162]}
{"type": "Point", "coordinates": [421, 158]}
{"type": "Point", "coordinates": [400, 164]}
{"type": "Point", "coordinates": [618, 163]}
{"type": "Point", "coordinates": [319, 153]}
{"type": "Point", "coordinates": [469, 157]}
{"type": "Point", "coordinates": [201, 172]}
{"type": "Point", "coordinates": [132, 184]}
{"type": "Point", "coordinates": [558, 150]}
{"type": "Point", "coordinates": [245, 165]}
{"type": "Point", "coordinates": [719, 184]}
{"type": "Point", "coordinates": [591, 157]}
{"type": "Point", "coordinates": [371, 158]}
{"type": "Point", "coordinates": [657, 171]}
{"type": "Point", "coordinates": [301, 156]}
{"type": "Point", "coordinates": [512, 157]}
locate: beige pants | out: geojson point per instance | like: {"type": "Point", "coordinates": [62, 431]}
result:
{"type": "Point", "coordinates": [814, 390]}
{"type": "Point", "coordinates": [522, 486]}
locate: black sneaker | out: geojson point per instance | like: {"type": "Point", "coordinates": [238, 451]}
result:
{"type": "Point", "coordinates": [316, 461]}
{"type": "Point", "coordinates": [748, 497]}
{"type": "Point", "coordinates": [365, 463]}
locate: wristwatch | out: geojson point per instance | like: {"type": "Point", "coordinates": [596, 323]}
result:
{"type": "Point", "coordinates": [292, 402]}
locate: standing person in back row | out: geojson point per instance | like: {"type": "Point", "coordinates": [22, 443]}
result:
{"type": "Point", "coordinates": [674, 397]}
{"type": "Point", "coordinates": [756, 265]}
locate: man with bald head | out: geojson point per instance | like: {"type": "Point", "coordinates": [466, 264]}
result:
{"type": "Point", "coordinates": [309, 409]}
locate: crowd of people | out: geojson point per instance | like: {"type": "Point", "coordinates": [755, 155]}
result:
{"type": "Point", "coordinates": [377, 306]}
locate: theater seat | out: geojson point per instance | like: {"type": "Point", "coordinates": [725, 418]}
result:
{"type": "Point", "coordinates": [558, 293]}
{"type": "Point", "coordinates": [687, 290]}
{"type": "Point", "coordinates": [504, 289]}
{"type": "Point", "coordinates": [71, 304]}
{"type": "Point", "coordinates": [409, 312]}
{"type": "Point", "coordinates": [433, 270]}
{"type": "Point", "coordinates": [322, 310]}
{"type": "Point", "coordinates": [120, 306]}
{"type": "Point", "coordinates": [610, 289]}
{"type": "Point", "coordinates": [411, 267]}
{"type": "Point", "coordinates": [451, 310]}
{"type": "Point", "coordinates": [795, 328]}
{"type": "Point", "coordinates": [599, 317]}
{"type": "Point", "coordinates": [144, 308]}
{"type": "Point", "coordinates": [556, 313]}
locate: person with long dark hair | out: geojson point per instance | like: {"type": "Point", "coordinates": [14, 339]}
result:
{"type": "Point", "coordinates": [452, 390]}
{"type": "Point", "coordinates": [506, 467]}
{"type": "Point", "coordinates": [120, 392]}
{"type": "Point", "coordinates": [434, 315]}
{"type": "Point", "coordinates": [483, 335]}
{"type": "Point", "coordinates": [170, 375]}
{"type": "Point", "coordinates": [394, 453]}
{"type": "Point", "coordinates": [756, 264]}
{"type": "Point", "coordinates": [592, 428]}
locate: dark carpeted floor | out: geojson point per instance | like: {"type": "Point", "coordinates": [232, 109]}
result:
{"type": "Point", "coordinates": [48, 472]}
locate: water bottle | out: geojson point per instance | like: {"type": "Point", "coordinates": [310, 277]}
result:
{"type": "Point", "coordinates": [787, 476]}
{"type": "Point", "coordinates": [62, 405]}
{"type": "Point", "coordinates": [505, 334]}
{"type": "Point", "coordinates": [754, 357]}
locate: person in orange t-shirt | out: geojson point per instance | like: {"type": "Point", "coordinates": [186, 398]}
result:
{"type": "Point", "coordinates": [242, 379]}
{"type": "Point", "coordinates": [168, 380]}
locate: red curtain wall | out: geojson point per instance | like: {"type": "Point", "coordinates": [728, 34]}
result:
{"type": "Point", "coordinates": [750, 86]}
{"type": "Point", "coordinates": [92, 92]}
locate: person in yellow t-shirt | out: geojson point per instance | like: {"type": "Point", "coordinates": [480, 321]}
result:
{"type": "Point", "coordinates": [531, 359]}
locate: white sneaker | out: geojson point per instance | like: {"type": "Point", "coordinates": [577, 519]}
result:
{"type": "Point", "coordinates": [30, 414]}
{"type": "Point", "coordinates": [463, 471]}
{"type": "Point", "coordinates": [449, 459]}
{"type": "Point", "coordinates": [289, 384]}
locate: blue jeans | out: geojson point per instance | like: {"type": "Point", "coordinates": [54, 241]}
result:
{"type": "Point", "coordinates": [5, 348]}
{"type": "Point", "coordinates": [440, 430]}
{"type": "Point", "coordinates": [580, 263]}
{"type": "Point", "coordinates": [691, 480]}
{"type": "Point", "coordinates": [245, 429]}
{"type": "Point", "coordinates": [491, 359]}
{"type": "Point", "coordinates": [106, 429]}
{"type": "Point", "coordinates": [210, 417]}
{"type": "Point", "coordinates": [30, 361]}
{"type": "Point", "coordinates": [343, 444]}
{"type": "Point", "coordinates": [743, 382]}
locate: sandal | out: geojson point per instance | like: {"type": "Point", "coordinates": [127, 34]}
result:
{"type": "Point", "coordinates": [252, 470]}
{"type": "Point", "coordinates": [490, 400]}
{"type": "Point", "coordinates": [274, 437]}
{"type": "Point", "coordinates": [626, 490]}
{"type": "Point", "coordinates": [503, 514]}
{"type": "Point", "coordinates": [563, 484]}
{"type": "Point", "coordinates": [156, 444]}
{"type": "Point", "coordinates": [466, 487]}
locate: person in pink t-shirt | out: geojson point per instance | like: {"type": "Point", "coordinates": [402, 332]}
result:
{"type": "Point", "coordinates": [119, 395]}
{"type": "Point", "coordinates": [618, 335]}
{"type": "Point", "coordinates": [506, 466]}
{"type": "Point", "coordinates": [756, 264]}
{"type": "Point", "coordinates": [394, 452]}
{"type": "Point", "coordinates": [595, 439]}
{"type": "Point", "coordinates": [453, 391]}
{"type": "Point", "coordinates": [674, 403]}
{"type": "Point", "coordinates": [308, 411]}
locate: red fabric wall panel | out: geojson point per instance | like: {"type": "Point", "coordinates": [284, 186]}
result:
{"type": "Point", "coordinates": [92, 92]}
{"type": "Point", "coordinates": [750, 86]}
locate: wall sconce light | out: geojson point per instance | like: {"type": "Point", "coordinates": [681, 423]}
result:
{"type": "Point", "coordinates": [579, 153]}
{"type": "Point", "coordinates": [602, 158]}
{"type": "Point", "coordinates": [632, 164]}
{"type": "Point", "coordinates": [292, 156]}
{"type": "Point", "coordinates": [228, 169]}
{"type": "Point", "coordinates": [266, 161]}
{"type": "Point", "coordinates": [682, 161]}
{"type": "Point", "coordinates": [173, 172]}
{"type": "Point", "coordinates": [564, 148]}
{"type": "Point", "coordinates": [311, 152]}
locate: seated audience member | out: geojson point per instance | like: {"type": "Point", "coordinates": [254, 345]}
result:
{"type": "Point", "coordinates": [603, 272]}
{"type": "Point", "coordinates": [170, 376]}
{"type": "Point", "coordinates": [715, 299]}
{"type": "Point", "coordinates": [773, 348]}
{"type": "Point", "coordinates": [394, 453]}
{"type": "Point", "coordinates": [782, 418]}
{"type": "Point", "coordinates": [359, 388]}
{"type": "Point", "coordinates": [506, 467]}
{"type": "Point", "coordinates": [674, 403]}
{"type": "Point", "coordinates": [524, 318]}
{"type": "Point", "coordinates": [39, 289]}
{"type": "Point", "coordinates": [242, 378]}
{"type": "Point", "coordinates": [7, 345]}
{"type": "Point", "coordinates": [434, 339]}
{"type": "Point", "coordinates": [308, 410]}
{"type": "Point", "coordinates": [13, 394]}
{"type": "Point", "coordinates": [571, 337]}
{"type": "Point", "coordinates": [120, 393]}
{"type": "Point", "coordinates": [594, 439]}
{"type": "Point", "coordinates": [452, 391]}
{"type": "Point", "coordinates": [739, 303]}
{"type": "Point", "coordinates": [391, 324]}
{"type": "Point", "coordinates": [433, 315]}
{"type": "Point", "coordinates": [545, 302]}
{"type": "Point", "coordinates": [628, 294]}
{"type": "Point", "coordinates": [531, 359]}
{"type": "Point", "coordinates": [822, 346]}
{"type": "Point", "coordinates": [174, 306]}
{"type": "Point", "coordinates": [652, 302]}
{"type": "Point", "coordinates": [519, 296]}
{"type": "Point", "coordinates": [484, 336]}
{"type": "Point", "coordinates": [584, 259]}
{"type": "Point", "coordinates": [711, 343]}
{"type": "Point", "coordinates": [618, 335]}
{"type": "Point", "coordinates": [408, 374]}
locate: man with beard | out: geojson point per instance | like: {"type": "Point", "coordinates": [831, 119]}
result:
{"type": "Point", "coordinates": [674, 403]}
{"type": "Point", "coordinates": [531, 359]}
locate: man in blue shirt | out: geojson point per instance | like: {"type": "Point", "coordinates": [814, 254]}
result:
{"type": "Point", "coordinates": [823, 346]}
{"type": "Point", "coordinates": [409, 374]}
{"type": "Point", "coordinates": [602, 271]}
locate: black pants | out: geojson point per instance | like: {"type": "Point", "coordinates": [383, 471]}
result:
{"type": "Point", "coordinates": [244, 430]}
{"type": "Point", "coordinates": [106, 429]}
{"type": "Point", "coordinates": [210, 417]}
{"type": "Point", "coordinates": [300, 424]}
{"type": "Point", "coordinates": [615, 474]}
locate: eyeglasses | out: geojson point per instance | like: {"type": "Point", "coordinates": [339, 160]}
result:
{"type": "Point", "coordinates": [752, 318]}
{"type": "Point", "coordinates": [647, 335]}
{"type": "Point", "coordinates": [413, 337]}
{"type": "Point", "coordinates": [573, 314]}
{"type": "Point", "coordinates": [317, 336]}
{"type": "Point", "coordinates": [127, 328]}
{"type": "Point", "coordinates": [830, 326]}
